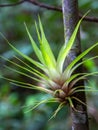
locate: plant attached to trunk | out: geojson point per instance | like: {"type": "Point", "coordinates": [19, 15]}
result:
{"type": "Point", "coordinates": [54, 79]}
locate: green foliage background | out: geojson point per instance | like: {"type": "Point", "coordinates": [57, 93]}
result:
{"type": "Point", "coordinates": [13, 116]}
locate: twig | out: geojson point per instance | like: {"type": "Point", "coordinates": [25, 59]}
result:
{"type": "Point", "coordinates": [14, 4]}
{"type": "Point", "coordinates": [89, 19]}
{"type": "Point", "coordinates": [43, 5]}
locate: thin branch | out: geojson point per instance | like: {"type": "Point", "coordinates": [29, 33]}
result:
{"type": "Point", "coordinates": [14, 4]}
{"type": "Point", "coordinates": [42, 5]}
{"type": "Point", "coordinates": [89, 19]}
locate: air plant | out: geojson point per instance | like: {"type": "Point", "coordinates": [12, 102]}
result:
{"type": "Point", "coordinates": [51, 75]}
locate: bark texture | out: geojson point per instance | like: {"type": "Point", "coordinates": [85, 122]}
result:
{"type": "Point", "coordinates": [70, 18]}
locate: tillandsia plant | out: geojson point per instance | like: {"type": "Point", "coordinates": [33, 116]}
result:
{"type": "Point", "coordinates": [54, 79]}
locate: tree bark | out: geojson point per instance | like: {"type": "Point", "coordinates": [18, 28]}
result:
{"type": "Point", "coordinates": [70, 18]}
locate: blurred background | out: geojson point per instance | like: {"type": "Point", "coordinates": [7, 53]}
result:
{"type": "Point", "coordinates": [13, 99]}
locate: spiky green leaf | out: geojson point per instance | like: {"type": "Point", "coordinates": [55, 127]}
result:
{"type": "Point", "coordinates": [46, 50]}
{"type": "Point", "coordinates": [69, 67]}
{"type": "Point", "coordinates": [34, 45]}
{"type": "Point", "coordinates": [66, 48]}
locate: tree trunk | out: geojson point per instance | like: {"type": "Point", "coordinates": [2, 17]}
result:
{"type": "Point", "coordinates": [70, 18]}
